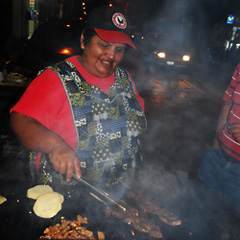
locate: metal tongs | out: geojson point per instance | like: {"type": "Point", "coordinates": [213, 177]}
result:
{"type": "Point", "coordinates": [102, 193]}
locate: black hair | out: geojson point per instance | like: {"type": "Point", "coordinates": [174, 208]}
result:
{"type": "Point", "coordinates": [87, 35]}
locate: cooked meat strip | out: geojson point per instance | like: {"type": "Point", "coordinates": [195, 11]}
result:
{"type": "Point", "coordinates": [168, 217]}
{"type": "Point", "coordinates": [143, 225]}
{"type": "Point", "coordinates": [119, 213]}
{"type": "Point", "coordinates": [130, 216]}
{"type": "Point", "coordinates": [150, 206]}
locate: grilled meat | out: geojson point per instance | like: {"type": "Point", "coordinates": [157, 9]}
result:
{"type": "Point", "coordinates": [70, 230]}
{"type": "Point", "coordinates": [131, 216]}
{"type": "Point", "coordinates": [150, 206]}
{"type": "Point", "coordinates": [143, 225]}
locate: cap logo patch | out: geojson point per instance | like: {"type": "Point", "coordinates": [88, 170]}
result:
{"type": "Point", "coordinates": [119, 20]}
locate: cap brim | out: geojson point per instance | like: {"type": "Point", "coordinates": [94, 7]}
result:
{"type": "Point", "coordinates": [114, 36]}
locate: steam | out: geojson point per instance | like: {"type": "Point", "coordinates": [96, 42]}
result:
{"type": "Point", "coordinates": [181, 124]}
{"type": "Point", "coordinates": [166, 186]}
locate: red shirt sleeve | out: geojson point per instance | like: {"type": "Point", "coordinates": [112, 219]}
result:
{"type": "Point", "coordinates": [45, 100]}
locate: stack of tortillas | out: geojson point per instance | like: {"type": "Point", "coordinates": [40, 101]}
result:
{"type": "Point", "coordinates": [48, 203]}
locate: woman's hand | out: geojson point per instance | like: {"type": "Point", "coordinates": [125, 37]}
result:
{"type": "Point", "coordinates": [234, 129]}
{"type": "Point", "coordinates": [37, 137]}
{"type": "Point", "coordinates": [65, 160]}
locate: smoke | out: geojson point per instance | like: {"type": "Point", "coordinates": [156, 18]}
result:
{"type": "Point", "coordinates": [182, 122]}
{"type": "Point", "coordinates": [165, 186]}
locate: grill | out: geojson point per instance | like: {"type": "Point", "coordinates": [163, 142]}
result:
{"type": "Point", "coordinates": [203, 216]}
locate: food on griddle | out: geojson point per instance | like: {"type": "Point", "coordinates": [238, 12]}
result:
{"type": "Point", "coordinates": [150, 206]}
{"type": "Point", "coordinates": [2, 199]}
{"type": "Point", "coordinates": [48, 204]}
{"type": "Point", "coordinates": [131, 216]}
{"type": "Point", "coordinates": [71, 230]}
{"type": "Point", "coordinates": [143, 225]}
{"type": "Point", "coordinates": [38, 190]}
{"type": "Point", "coordinates": [127, 215]}
{"type": "Point", "coordinates": [119, 213]}
{"type": "Point", "coordinates": [168, 217]}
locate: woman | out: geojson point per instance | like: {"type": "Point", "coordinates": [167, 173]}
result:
{"type": "Point", "coordinates": [84, 115]}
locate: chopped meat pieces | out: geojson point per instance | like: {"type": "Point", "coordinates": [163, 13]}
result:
{"type": "Point", "coordinates": [71, 230]}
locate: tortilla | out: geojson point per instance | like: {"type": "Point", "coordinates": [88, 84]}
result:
{"type": "Point", "coordinates": [2, 199]}
{"type": "Point", "coordinates": [38, 190]}
{"type": "Point", "coordinates": [48, 205]}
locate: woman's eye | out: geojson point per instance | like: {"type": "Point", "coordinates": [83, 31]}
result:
{"type": "Point", "coordinates": [104, 45]}
{"type": "Point", "coordinates": [119, 50]}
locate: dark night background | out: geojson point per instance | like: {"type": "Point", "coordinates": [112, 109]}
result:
{"type": "Point", "coordinates": [182, 110]}
{"type": "Point", "coordinates": [203, 14]}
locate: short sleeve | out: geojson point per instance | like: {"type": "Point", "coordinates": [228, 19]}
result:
{"type": "Point", "coordinates": [43, 99]}
{"type": "Point", "coordinates": [231, 87]}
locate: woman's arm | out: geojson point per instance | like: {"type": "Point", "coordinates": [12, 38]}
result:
{"type": "Point", "coordinates": [35, 136]}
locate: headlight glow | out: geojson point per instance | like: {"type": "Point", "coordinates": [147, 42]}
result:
{"type": "Point", "coordinates": [161, 54]}
{"type": "Point", "coordinates": [186, 58]}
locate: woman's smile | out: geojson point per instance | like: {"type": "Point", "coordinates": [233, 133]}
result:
{"type": "Point", "coordinates": [100, 58]}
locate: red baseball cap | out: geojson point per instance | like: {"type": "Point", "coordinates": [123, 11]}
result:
{"type": "Point", "coordinates": [110, 24]}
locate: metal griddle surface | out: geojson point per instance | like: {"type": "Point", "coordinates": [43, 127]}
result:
{"type": "Point", "coordinates": [204, 217]}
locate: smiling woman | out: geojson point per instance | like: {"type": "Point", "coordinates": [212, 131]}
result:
{"type": "Point", "coordinates": [84, 114]}
{"type": "Point", "coordinates": [100, 58]}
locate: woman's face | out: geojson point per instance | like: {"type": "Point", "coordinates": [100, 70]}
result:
{"type": "Point", "coordinates": [100, 58]}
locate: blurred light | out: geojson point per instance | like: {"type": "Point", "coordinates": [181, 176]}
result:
{"type": "Point", "coordinates": [110, 5]}
{"type": "Point", "coordinates": [85, 13]}
{"type": "Point", "coordinates": [84, 7]}
{"type": "Point", "coordinates": [66, 51]}
{"type": "Point", "coordinates": [132, 36]}
{"type": "Point", "coordinates": [230, 19]}
{"type": "Point", "coordinates": [186, 58]}
{"type": "Point", "coordinates": [68, 25]}
{"type": "Point", "coordinates": [83, 3]}
{"type": "Point", "coordinates": [161, 55]}
{"type": "Point", "coordinates": [227, 45]}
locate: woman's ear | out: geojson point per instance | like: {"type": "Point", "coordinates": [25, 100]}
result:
{"type": "Point", "coordinates": [82, 41]}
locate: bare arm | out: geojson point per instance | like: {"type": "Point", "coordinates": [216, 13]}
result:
{"type": "Point", "coordinates": [35, 136]}
{"type": "Point", "coordinates": [222, 118]}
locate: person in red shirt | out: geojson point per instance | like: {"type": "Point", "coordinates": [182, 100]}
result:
{"type": "Point", "coordinates": [220, 168]}
{"type": "Point", "coordinates": [84, 115]}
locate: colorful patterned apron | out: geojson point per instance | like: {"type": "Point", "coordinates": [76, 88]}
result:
{"type": "Point", "coordinates": [108, 127]}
